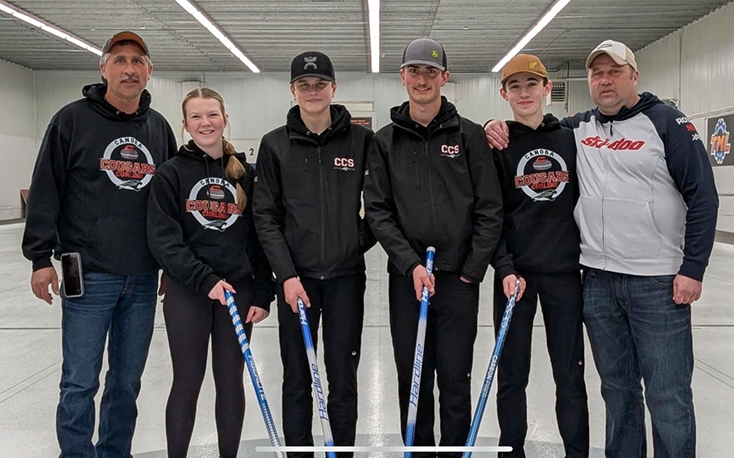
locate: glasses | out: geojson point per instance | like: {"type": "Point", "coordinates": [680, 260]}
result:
{"type": "Point", "coordinates": [428, 72]}
{"type": "Point", "coordinates": [303, 86]}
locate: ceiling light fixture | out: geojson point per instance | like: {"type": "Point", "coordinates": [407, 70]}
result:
{"type": "Point", "coordinates": [373, 7]}
{"type": "Point", "coordinates": [540, 25]}
{"type": "Point", "coordinates": [48, 28]}
{"type": "Point", "coordinates": [203, 20]}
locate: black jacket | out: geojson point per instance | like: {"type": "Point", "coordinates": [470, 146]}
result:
{"type": "Point", "coordinates": [196, 231]}
{"type": "Point", "coordinates": [537, 173]}
{"type": "Point", "coordinates": [308, 198]}
{"type": "Point", "coordinates": [434, 186]}
{"type": "Point", "coordinates": [90, 185]}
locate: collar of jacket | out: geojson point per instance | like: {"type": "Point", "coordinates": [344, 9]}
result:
{"type": "Point", "coordinates": [96, 93]}
{"type": "Point", "coordinates": [549, 123]}
{"type": "Point", "coordinates": [446, 118]}
{"type": "Point", "coordinates": [646, 101]}
{"type": "Point", "coordinates": [341, 119]}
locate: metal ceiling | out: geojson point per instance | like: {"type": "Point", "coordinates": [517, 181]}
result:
{"type": "Point", "coordinates": [475, 33]}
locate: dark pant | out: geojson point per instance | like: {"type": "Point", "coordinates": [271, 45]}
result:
{"type": "Point", "coordinates": [340, 303]}
{"type": "Point", "coordinates": [450, 334]}
{"type": "Point", "coordinates": [191, 317]}
{"type": "Point", "coordinates": [122, 307]}
{"type": "Point", "coordinates": [637, 332]}
{"type": "Point", "coordinates": [561, 301]}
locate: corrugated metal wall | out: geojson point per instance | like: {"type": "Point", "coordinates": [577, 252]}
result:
{"type": "Point", "coordinates": [696, 66]}
{"type": "Point", "coordinates": [17, 135]}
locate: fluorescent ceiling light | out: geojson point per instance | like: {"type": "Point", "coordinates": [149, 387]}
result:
{"type": "Point", "coordinates": [48, 28]}
{"type": "Point", "coordinates": [374, 9]}
{"type": "Point", "coordinates": [540, 25]}
{"type": "Point", "coordinates": [203, 20]}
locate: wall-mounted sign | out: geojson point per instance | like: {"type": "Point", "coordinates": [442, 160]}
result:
{"type": "Point", "coordinates": [719, 141]}
{"type": "Point", "coordinates": [363, 121]}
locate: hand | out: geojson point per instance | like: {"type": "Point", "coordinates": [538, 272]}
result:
{"type": "Point", "coordinates": [508, 286]}
{"type": "Point", "coordinates": [162, 286]}
{"type": "Point", "coordinates": [421, 279]}
{"type": "Point", "coordinates": [217, 293]}
{"type": "Point", "coordinates": [256, 314]}
{"type": "Point", "coordinates": [686, 290]}
{"type": "Point", "coordinates": [498, 134]}
{"type": "Point", "coordinates": [465, 280]}
{"type": "Point", "coordinates": [292, 290]}
{"type": "Point", "coordinates": [41, 279]}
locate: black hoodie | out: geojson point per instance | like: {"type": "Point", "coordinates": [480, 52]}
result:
{"type": "Point", "coordinates": [196, 231]}
{"type": "Point", "coordinates": [537, 173]}
{"type": "Point", "coordinates": [90, 185]}
{"type": "Point", "coordinates": [434, 186]}
{"type": "Point", "coordinates": [308, 197]}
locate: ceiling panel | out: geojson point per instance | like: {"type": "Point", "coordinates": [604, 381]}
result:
{"type": "Point", "coordinates": [475, 33]}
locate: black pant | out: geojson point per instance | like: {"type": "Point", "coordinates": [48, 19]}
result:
{"type": "Point", "coordinates": [561, 302]}
{"type": "Point", "coordinates": [450, 334]}
{"type": "Point", "coordinates": [340, 301]}
{"type": "Point", "coordinates": [191, 317]}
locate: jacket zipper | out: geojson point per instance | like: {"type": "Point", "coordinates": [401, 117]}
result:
{"type": "Point", "coordinates": [605, 164]}
{"type": "Point", "coordinates": [430, 191]}
{"type": "Point", "coordinates": [426, 142]}
{"type": "Point", "coordinates": [321, 201]}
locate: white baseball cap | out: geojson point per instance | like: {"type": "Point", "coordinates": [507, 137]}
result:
{"type": "Point", "coordinates": [619, 52]}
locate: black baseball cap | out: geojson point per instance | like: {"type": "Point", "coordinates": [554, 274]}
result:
{"type": "Point", "coordinates": [424, 51]}
{"type": "Point", "coordinates": [312, 63]}
{"type": "Point", "coordinates": [125, 36]}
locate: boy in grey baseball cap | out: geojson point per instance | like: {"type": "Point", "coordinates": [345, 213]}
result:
{"type": "Point", "coordinates": [432, 182]}
{"type": "Point", "coordinates": [424, 51]}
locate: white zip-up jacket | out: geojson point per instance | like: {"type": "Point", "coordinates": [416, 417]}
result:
{"type": "Point", "coordinates": [648, 203]}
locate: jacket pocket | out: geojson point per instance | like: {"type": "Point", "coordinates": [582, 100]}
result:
{"type": "Point", "coordinates": [630, 232]}
{"type": "Point", "coordinates": [588, 217]}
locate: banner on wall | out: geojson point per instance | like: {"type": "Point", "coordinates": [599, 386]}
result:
{"type": "Point", "coordinates": [719, 141]}
{"type": "Point", "coordinates": [363, 121]}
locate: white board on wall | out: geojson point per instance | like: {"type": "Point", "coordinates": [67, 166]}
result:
{"type": "Point", "coordinates": [249, 146]}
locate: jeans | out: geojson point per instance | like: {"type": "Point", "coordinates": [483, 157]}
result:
{"type": "Point", "coordinates": [638, 333]}
{"type": "Point", "coordinates": [123, 307]}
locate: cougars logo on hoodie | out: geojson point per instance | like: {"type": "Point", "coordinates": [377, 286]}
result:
{"type": "Point", "coordinates": [128, 163]}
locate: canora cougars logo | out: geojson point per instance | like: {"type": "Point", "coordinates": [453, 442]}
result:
{"type": "Point", "coordinates": [310, 63]}
{"type": "Point", "coordinates": [209, 205]}
{"type": "Point", "coordinates": [125, 166]}
{"type": "Point", "coordinates": [542, 174]}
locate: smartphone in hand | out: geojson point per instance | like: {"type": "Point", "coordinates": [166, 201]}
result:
{"type": "Point", "coordinates": [71, 275]}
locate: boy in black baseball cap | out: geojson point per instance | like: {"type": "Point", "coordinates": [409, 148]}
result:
{"type": "Point", "coordinates": [307, 203]}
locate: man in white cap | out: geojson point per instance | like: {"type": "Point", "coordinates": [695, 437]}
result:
{"type": "Point", "coordinates": [647, 217]}
{"type": "Point", "coordinates": [432, 182]}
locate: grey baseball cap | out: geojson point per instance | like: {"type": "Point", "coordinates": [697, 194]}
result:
{"type": "Point", "coordinates": [426, 52]}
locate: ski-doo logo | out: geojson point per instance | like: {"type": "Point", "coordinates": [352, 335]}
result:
{"type": "Point", "coordinates": [344, 163]}
{"type": "Point", "coordinates": [618, 145]}
{"type": "Point", "coordinates": [210, 205]}
{"type": "Point", "coordinates": [450, 151]}
{"type": "Point", "coordinates": [542, 175]}
{"type": "Point", "coordinates": [125, 166]}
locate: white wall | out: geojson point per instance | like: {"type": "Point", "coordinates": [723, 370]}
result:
{"type": "Point", "coordinates": [17, 136]}
{"type": "Point", "coordinates": [256, 104]}
{"type": "Point", "coordinates": [695, 65]}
